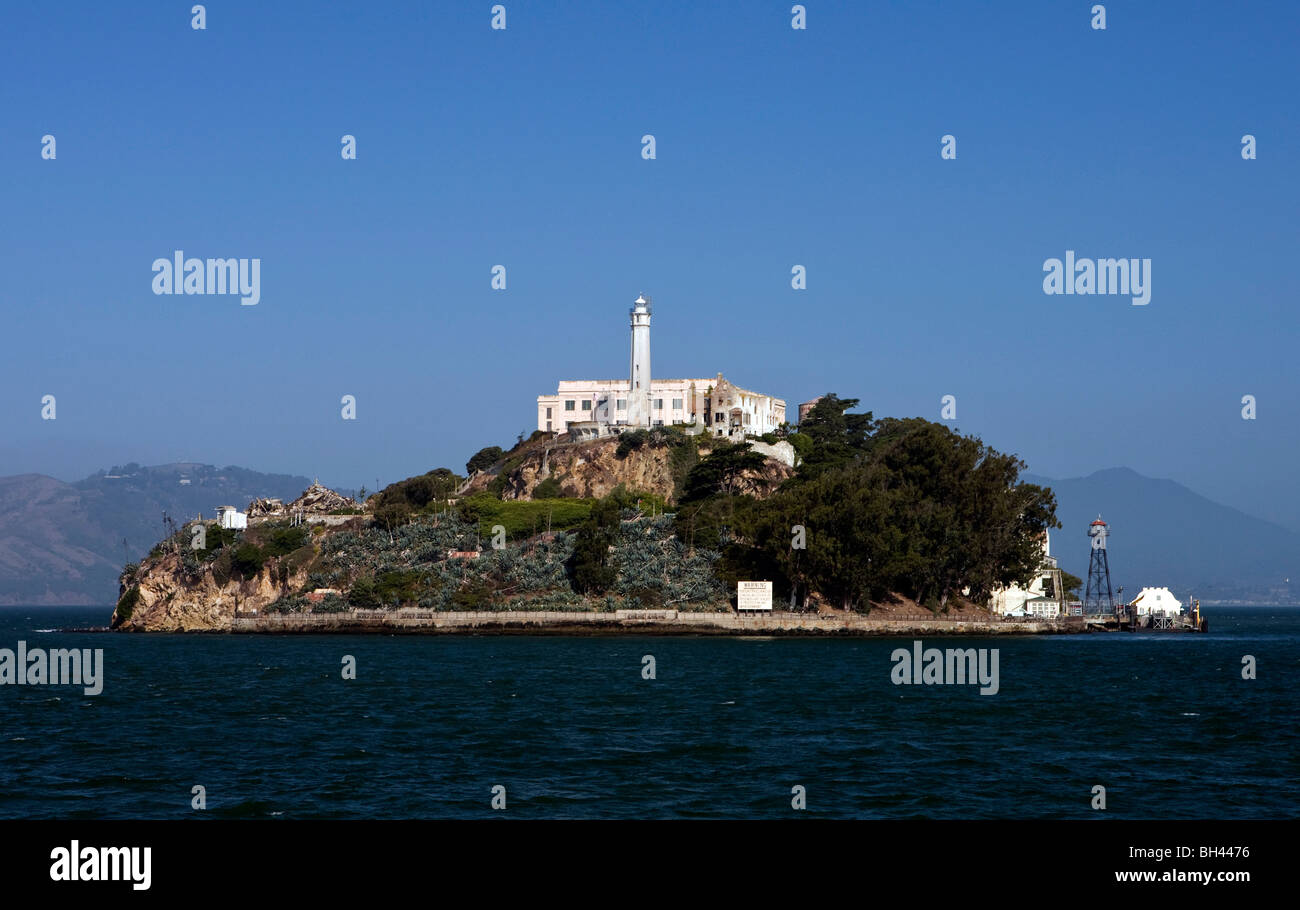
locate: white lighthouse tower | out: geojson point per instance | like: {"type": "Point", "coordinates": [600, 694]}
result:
{"type": "Point", "coordinates": [638, 393]}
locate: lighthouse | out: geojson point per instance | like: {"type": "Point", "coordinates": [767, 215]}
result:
{"type": "Point", "coordinates": [638, 391]}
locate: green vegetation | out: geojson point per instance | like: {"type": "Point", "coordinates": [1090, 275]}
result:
{"type": "Point", "coordinates": [1070, 582]}
{"type": "Point", "coordinates": [126, 604]}
{"type": "Point", "coordinates": [875, 508]}
{"type": "Point", "coordinates": [423, 492]}
{"type": "Point", "coordinates": [831, 437]}
{"type": "Point", "coordinates": [247, 560]}
{"type": "Point", "coordinates": [484, 459]}
{"type": "Point", "coordinates": [630, 441]}
{"type": "Point", "coordinates": [281, 541]}
{"type": "Point", "coordinates": [523, 518]}
{"type": "Point", "coordinates": [590, 567]}
{"type": "Point", "coordinates": [548, 489]}
{"type": "Point", "coordinates": [890, 507]}
{"type": "Point", "coordinates": [720, 472]}
{"type": "Point", "coordinates": [388, 589]}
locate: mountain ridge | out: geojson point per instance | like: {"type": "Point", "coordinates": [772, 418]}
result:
{"type": "Point", "coordinates": [66, 542]}
{"type": "Point", "coordinates": [1165, 534]}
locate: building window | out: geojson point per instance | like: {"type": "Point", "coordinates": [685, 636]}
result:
{"type": "Point", "coordinates": [568, 405]}
{"type": "Point", "coordinates": [721, 416]}
{"type": "Point", "coordinates": [659, 404]}
{"type": "Point", "coordinates": [548, 413]}
{"type": "Point", "coordinates": [586, 405]}
{"type": "Point", "coordinates": [548, 426]}
{"type": "Point", "coordinates": [622, 404]}
{"type": "Point", "coordinates": [677, 404]}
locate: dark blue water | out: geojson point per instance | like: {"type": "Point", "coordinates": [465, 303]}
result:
{"type": "Point", "coordinates": [569, 727]}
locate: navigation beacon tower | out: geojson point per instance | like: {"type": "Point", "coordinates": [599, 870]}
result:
{"type": "Point", "coordinates": [638, 392]}
{"type": "Point", "coordinates": [1098, 598]}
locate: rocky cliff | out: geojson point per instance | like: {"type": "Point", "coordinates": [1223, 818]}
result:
{"type": "Point", "coordinates": [164, 595]}
{"type": "Point", "coordinates": [592, 469]}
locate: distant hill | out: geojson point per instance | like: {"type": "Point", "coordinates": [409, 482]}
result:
{"type": "Point", "coordinates": [1162, 533]}
{"type": "Point", "coordinates": [63, 543]}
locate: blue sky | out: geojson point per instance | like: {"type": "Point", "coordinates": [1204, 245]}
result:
{"type": "Point", "coordinates": [775, 147]}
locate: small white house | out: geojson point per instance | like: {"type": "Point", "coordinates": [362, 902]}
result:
{"type": "Point", "coordinates": [231, 518]}
{"type": "Point", "coordinates": [1156, 600]}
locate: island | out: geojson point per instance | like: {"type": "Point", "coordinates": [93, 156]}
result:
{"type": "Point", "coordinates": [862, 526]}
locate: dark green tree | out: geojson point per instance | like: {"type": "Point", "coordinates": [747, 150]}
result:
{"type": "Point", "coordinates": [836, 436]}
{"type": "Point", "coordinates": [589, 567]}
{"type": "Point", "coordinates": [484, 459]}
{"type": "Point", "coordinates": [721, 472]}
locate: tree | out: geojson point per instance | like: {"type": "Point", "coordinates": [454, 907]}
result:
{"type": "Point", "coordinates": [1070, 583]}
{"type": "Point", "coordinates": [392, 515]}
{"type": "Point", "coordinates": [801, 444]}
{"type": "Point", "coordinates": [721, 472]}
{"type": "Point", "coordinates": [590, 571]}
{"type": "Point", "coordinates": [922, 511]}
{"type": "Point", "coordinates": [484, 459]}
{"type": "Point", "coordinates": [837, 436]}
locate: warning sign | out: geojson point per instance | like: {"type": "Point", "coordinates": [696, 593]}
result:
{"type": "Point", "coordinates": [753, 595]}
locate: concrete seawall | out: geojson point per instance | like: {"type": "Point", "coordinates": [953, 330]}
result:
{"type": "Point", "coordinates": [636, 622]}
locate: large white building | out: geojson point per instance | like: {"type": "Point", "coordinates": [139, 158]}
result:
{"type": "Point", "coordinates": [599, 407]}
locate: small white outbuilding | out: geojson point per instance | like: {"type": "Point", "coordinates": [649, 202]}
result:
{"type": "Point", "coordinates": [1157, 600]}
{"type": "Point", "coordinates": [231, 518]}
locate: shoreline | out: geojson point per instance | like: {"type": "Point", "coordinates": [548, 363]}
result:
{"type": "Point", "coordinates": [623, 622]}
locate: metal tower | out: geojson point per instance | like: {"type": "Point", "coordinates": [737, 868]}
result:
{"type": "Point", "coordinates": [1098, 597]}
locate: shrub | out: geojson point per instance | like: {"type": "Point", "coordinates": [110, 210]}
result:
{"type": "Point", "coordinates": [523, 518]}
{"type": "Point", "coordinates": [396, 587]}
{"type": "Point", "coordinates": [548, 489]}
{"type": "Point", "coordinates": [631, 441]}
{"type": "Point", "coordinates": [247, 560]}
{"type": "Point", "coordinates": [221, 567]}
{"type": "Point", "coordinates": [363, 593]}
{"type": "Point", "coordinates": [473, 596]}
{"type": "Point", "coordinates": [484, 459]}
{"type": "Point", "coordinates": [126, 604]}
{"type": "Point", "coordinates": [392, 515]}
{"type": "Point", "coordinates": [283, 541]}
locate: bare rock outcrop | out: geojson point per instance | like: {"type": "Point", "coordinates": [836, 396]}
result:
{"type": "Point", "coordinates": [162, 597]}
{"type": "Point", "coordinates": [593, 469]}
